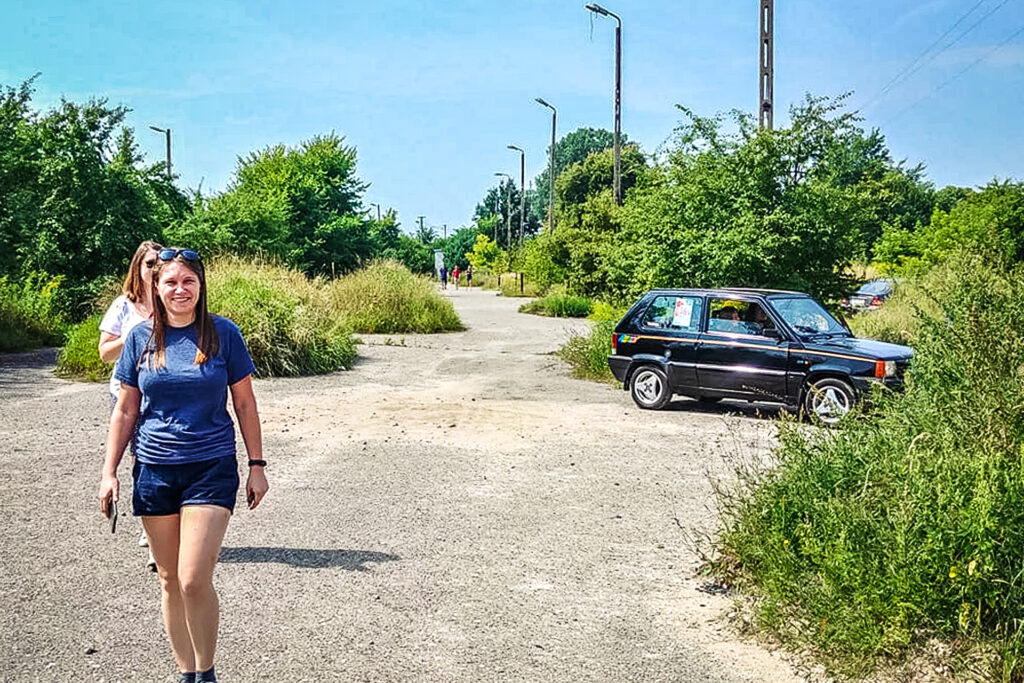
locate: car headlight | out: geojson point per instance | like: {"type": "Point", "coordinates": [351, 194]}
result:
{"type": "Point", "coordinates": [890, 368]}
{"type": "Point", "coordinates": [885, 368]}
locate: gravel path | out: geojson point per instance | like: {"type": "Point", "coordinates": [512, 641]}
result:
{"type": "Point", "coordinates": [455, 508]}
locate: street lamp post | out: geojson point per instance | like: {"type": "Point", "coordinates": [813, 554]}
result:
{"type": "Point", "coordinates": [378, 210]}
{"type": "Point", "coordinates": [508, 214]}
{"type": "Point", "coordinates": [597, 9]}
{"type": "Point", "coordinates": [551, 165]}
{"type": "Point", "coordinates": [522, 190]}
{"type": "Point", "coordinates": [167, 134]}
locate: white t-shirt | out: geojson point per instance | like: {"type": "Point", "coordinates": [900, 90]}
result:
{"type": "Point", "coordinates": [119, 319]}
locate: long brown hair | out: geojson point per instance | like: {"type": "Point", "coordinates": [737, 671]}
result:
{"type": "Point", "coordinates": [207, 339]}
{"type": "Point", "coordinates": [134, 286]}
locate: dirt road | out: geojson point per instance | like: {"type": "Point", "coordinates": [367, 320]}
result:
{"type": "Point", "coordinates": [455, 508]}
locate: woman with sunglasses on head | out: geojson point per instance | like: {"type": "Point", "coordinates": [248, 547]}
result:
{"type": "Point", "coordinates": [176, 373]}
{"type": "Point", "coordinates": [134, 306]}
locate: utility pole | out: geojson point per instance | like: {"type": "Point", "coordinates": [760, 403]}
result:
{"type": "Point", "coordinates": [508, 214]}
{"type": "Point", "coordinates": [378, 210]}
{"type": "Point", "coordinates": [446, 231]}
{"type": "Point", "coordinates": [420, 219]}
{"type": "Point", "coordinates": [766, 66]}
{"type": "Point", "coordinates": [167, 135]}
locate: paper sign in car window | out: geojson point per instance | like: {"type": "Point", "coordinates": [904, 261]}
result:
{"type": "Point", "coordinates": [683, 313]}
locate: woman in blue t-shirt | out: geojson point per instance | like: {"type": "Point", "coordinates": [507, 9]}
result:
{"type": "Point", "coordinates": [175, 373]}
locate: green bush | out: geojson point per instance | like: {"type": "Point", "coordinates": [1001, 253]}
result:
{"type": "Point", "coordinates": [509, 286]}
{"type": "Point", "coordinates": [285, 318]}
{"type": "Point", "coordinates": [588, 353]}
{"type": "Point", "coordinates": [606, 311]}
{"type": "Point", "coordinates": [386, 298]}
{"type": "Point", "coordinates": [80, 357]}
{"type": "Point", "coordinates": [28, 317]}
{"type": "Point", "coordinates": [869, 540]}
{"type": "Point", "coordinates": [559, 304]}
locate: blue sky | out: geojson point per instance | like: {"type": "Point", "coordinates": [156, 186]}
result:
{"type": "Point", "coordinates": [430, 94]}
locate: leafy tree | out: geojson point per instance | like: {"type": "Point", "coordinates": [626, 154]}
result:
{"type": "Point", "coordinates": [302, 205]}
{"type": "Point", "coordinates": [500, 209]}
{"type": "Point", "coordinates": [75, 200]}
{"type": "Point", "coordinates": [456, 246]}
{"type": "Point", "coordinates": [426, 234]}
{"type": "Point", "coordinates": [989, 220]}
{"type": "Point", "coordinates": [573, 148]}
{"type": "Point", "coordinates": [484, 253]}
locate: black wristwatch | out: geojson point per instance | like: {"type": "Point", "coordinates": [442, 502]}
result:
{"type": "Point", "coordinates": [257, 463]}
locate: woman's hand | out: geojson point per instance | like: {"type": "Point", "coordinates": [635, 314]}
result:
{"type": "Point", "coordinates": [256, 486]}
{"type": "Point", "coordinates": [109, 490]}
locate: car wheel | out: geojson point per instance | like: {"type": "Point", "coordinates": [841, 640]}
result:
{"type": "Point", "coordinates": [649, 388]}
{"type": "Point", "coordinates": [828, 400]}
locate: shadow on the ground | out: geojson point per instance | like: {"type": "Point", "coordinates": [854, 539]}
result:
{"type": "Point", "coordinates": [351, 560]}
{"type": "Point", "coordinates": [738, 408]}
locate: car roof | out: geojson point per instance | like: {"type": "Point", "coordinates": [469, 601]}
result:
{"type": "Point", "coordinates": [726, 292]}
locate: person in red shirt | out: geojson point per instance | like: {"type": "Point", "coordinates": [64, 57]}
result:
{"type": "Point", "coordinates": [455, 276]}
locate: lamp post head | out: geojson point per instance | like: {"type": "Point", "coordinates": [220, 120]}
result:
{"type": "Point", "coordinates": [597, 9]}
{"type": "Point", "coordinates": [158, 130]}
{"type": "Point", "coordinates": [518, 149]}
{"type": "Point", "coordinates": [541, 101]}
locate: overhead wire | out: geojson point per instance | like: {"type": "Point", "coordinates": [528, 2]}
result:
{"type": "Point", "coordinates": [955, 76]}
{"type": "Point", "coordinates": [909, 71]}
{"type": "Point", "coordinates": [892, 81]}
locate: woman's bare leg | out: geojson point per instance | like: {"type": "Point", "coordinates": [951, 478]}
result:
{"type": "Point", "coordinates": [163, 533]}
{"type": "Point", "coordinates": [202, 532]}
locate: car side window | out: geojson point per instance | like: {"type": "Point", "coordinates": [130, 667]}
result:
{"type": "Point", "coordinates": [676, 313]}
{"type": "Point", "coordinates": [738, 317]}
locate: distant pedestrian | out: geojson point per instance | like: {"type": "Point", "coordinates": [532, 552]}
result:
{"type": "Point", "coordinates": [444, 277]}
{"type": "Point", "coordinates": [455, 277]}
{"type": "Point", "coordinates": [469, 277]}
{"type": "Point", "coordinates": [135, 305]}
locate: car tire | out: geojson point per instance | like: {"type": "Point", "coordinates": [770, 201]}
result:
{"type": "Point", "coordinates": [828, 400]}
{"type": "Point", "coordinates": [648, 385]}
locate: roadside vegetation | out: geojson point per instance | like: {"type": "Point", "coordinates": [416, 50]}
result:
{"type": "Point", "coordinates": [871, 540]}
{"type": "Point", "coordinates": [559, 304]}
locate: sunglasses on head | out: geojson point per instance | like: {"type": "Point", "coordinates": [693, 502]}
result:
{"type": "Point", "coordinates": [187, 254]}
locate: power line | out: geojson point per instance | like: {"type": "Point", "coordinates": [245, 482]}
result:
{"type": "Point", "coordinates": [955, 76]}
{"type": "Point", "coordinates": [917, 64]}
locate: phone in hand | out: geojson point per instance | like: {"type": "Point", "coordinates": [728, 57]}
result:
{"type": "Point", "coordinates": [250, 498]}
{"type": "Point", "coordinates": [112, 508]}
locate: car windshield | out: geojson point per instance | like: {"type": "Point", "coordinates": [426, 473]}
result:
{"type": "Point", "coordinates": [876, 287]}
{"type": "Point", "coordinates": [808, 317]}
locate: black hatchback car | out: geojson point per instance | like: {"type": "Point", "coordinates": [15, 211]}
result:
{"type": "Point", "coordinates": [752, 344]}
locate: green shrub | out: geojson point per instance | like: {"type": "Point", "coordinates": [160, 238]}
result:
{"type": "Point", "coordinates": [28, 315]}
{"type": "Point", "coordinates": [286, 319]}
{"type": "Point", "coordinates": [386, 298]}
{"type": "Point", "coordinates": [588, 353]}
{"type": "Point", "coordinates": [509, 286]}
{"type": "Point", "coordinates": [909, 524]}
{"type": "Point", "coordinates": [80, 357]}
{"type": "Point", "coordinates": [606, 311]}
{"type": "Point", "coordinates": [558, 304]}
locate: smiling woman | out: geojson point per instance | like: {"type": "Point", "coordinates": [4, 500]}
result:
{"type": "Point", "coordinates": [175, 373]}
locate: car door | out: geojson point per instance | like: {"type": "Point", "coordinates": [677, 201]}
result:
{"type": "Point", "coordinates": [745, 356]}
{"type": "Point", "coordinates": [671, 328]}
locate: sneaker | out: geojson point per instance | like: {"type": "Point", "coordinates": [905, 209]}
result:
{"type": "Point", "coordinates": [143, 541]}
{"type": "Point", "coordinates": [151, 563]}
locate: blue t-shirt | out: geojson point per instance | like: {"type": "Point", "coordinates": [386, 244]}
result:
{"type": "Point", "coordinates": [184, 417]}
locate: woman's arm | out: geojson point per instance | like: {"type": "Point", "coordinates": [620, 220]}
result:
{"type": "Point", "coordinates": [110, 347]}
{"type": "Point", "coordinates": [122, 422]}
{"type": "Point", "coordinates": [244, 401]}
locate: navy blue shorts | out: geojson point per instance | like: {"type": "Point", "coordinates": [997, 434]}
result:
{"type": "Point", "coordinates": [164, 489]}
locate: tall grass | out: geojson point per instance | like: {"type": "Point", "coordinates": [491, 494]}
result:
{"type": "Point", "coordinates": [29, 317]}
{"type": "Point", "coordinates": [285, 318]}
{"type": "Point", "coordinates": [559, 304]}
{"type": "Point", "coordinates": [387, 298]}
{"type": "Point", "coordinates": [80, 357]}
{"type": "Point", "coordinates": [909, 525]}
{"type": "Point", "coordinates": [588, 353]}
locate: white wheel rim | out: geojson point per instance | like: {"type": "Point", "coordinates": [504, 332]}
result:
{"type": "Point", "coordinates": [648, 387]}
{"type": "Point", "coordinates": [830, 404]}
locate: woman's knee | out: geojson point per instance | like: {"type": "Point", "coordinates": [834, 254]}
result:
{"type": "Point", "coordinates": [195, 583]}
